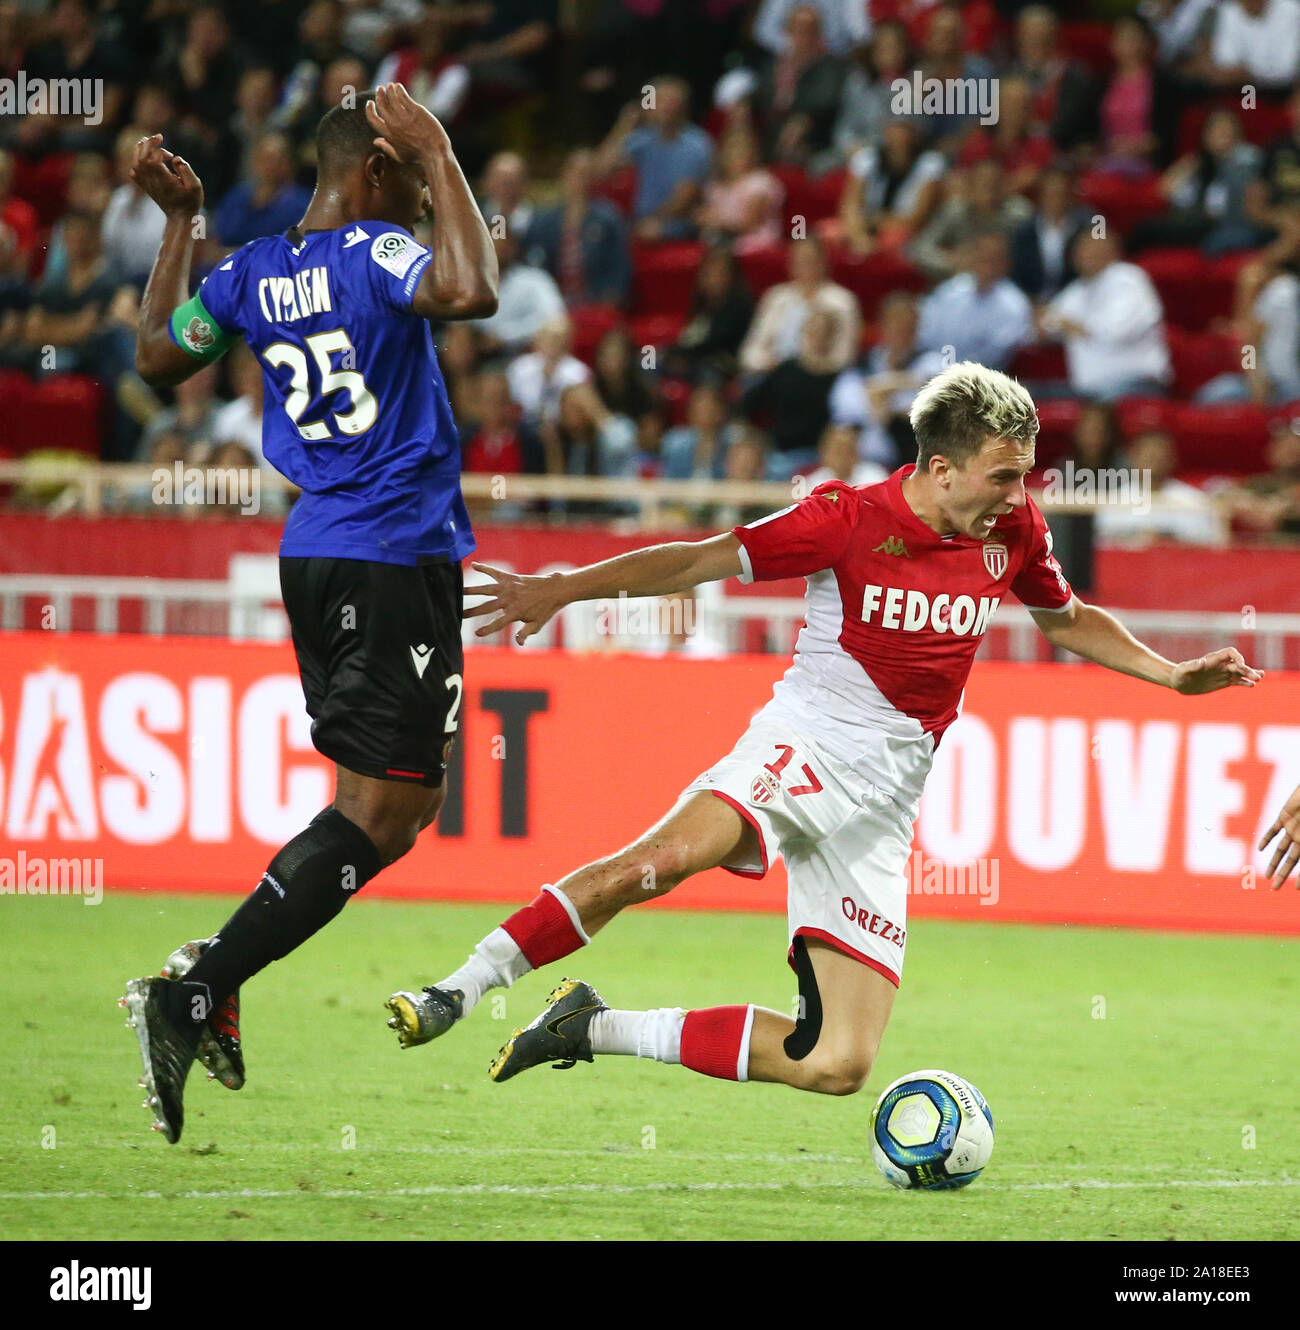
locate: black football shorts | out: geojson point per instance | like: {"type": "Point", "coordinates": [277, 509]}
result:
{"type": "Point", "coordinates": [379, 653]}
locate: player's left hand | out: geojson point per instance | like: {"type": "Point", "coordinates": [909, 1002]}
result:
{"type": "Point", "coordinates": [516, 598]}
{"type": "Point", "coordinates": [1287, 854]}
{"type": "Point", "coordinates": [404, 129]}
{"type": "Point", "coordinates": [1225, 668]}
{"type": "Point", "coordinates": [167, 179]}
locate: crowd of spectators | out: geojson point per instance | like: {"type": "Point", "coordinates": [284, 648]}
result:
{"type": "Point", "coordinates": [670, 303]}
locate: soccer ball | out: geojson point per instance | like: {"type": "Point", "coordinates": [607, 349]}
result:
{"type": "Point", "coordinates": [931, 1130]}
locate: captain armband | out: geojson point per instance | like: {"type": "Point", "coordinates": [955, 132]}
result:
{"type": "Point", "coordinates": [195, 331]}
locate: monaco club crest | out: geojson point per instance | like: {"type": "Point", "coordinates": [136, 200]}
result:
{"type": "Point", "coordinates": [764, 789]}
{"type": "Point", "coordinates": [995, 560]}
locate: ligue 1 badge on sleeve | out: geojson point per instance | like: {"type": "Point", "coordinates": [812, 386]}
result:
{"type": "Point", "coordinates": [995, 559]}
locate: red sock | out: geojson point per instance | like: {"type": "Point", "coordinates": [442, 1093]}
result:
{"type": "Point", "coordinates": [544, 930]}
{"type": "Point", "coordinates": [715, 1041]}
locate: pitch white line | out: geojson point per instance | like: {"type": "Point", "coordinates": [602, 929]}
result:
{"type": "Point", "coordinates": [612, 1189]}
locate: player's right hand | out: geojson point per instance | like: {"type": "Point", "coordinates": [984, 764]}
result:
{"type": "Point", "coordinates": [404, 129]}
{"type": "Point", "coordinates": [1287, 854]}
{"type": "Point", "coordinates": [167, 179]}
{"type": "Point", "coordinates": [515, 598]}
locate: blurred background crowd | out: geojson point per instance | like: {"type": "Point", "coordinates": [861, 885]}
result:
{"type": "Point", "coordinates": [730, 249]}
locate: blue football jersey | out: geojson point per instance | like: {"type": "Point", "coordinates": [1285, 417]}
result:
{"type": "Point", "coordinates": [355, 410]}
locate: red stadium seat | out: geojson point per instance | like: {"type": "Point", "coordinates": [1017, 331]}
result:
{"type": "Point", "coordinates": [1266, 122]}
{"type": "Point", "coordinates": [66, 412]}
{"type": "Point", "coordinates": [813, 198]}
{"type": "Point", "coordinates": [619, 188]}
{"type": "Point", "coordinates": [1193, 289]}
{"type": "Point", "coordinates": [872, 278]}
{"type": "Point", "coordinates": [675, 395]}
{"type": "Point", "coordinates": [1045, 363]}
{"type": "Point", "coordinates": [664, 276]}
{"type": "Point", "coordinates": [1088, 41]}
{"type": "Point", "coordinates": [1058, 418]}
{"type": "Point", "coordinates": [1199, 357]}
{"type": "Point", "coordinates": [1137, 415]}
{"type": "Point", "coordinates": [16, 393]}
{"type": "Point", "coordinates": [590, 323]}
{"type": "Point", "coordinates": [1121, 200]}
{"type": "Point", "coordinates": [1230, 439]}
{"type": "Point", "coordinates": [657, 330]}
{"type": "Point", "coordinates": [44, 184]}
{"type": "Point", "coordinates": [765, 267]}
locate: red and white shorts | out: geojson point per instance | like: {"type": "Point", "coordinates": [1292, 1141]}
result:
{"type": "Point", "coordinates": [845, 842]}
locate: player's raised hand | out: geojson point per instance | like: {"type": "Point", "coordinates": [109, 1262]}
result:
{"type": "Point", "coordinates": [515, 598]}
{"type": "Point", "coordinates": [167, 179]}
{"type": "Point", "coordinates": [1287, 854]}
{"type": "Point", "coordinates": [404, 129]}
{"type": "Point", "coordinates": [1225, 668]}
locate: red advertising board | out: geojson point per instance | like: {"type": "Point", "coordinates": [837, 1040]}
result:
{"type": "Point", "coordinates": [1079, 795]}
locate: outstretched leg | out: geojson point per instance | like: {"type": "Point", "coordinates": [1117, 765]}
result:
{"type": "Point", "coordinates": [845, 1007]}
{"type": "Point", "coordinates": [701, 831]}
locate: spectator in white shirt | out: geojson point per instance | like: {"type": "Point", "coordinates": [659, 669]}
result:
{"type": "Point", "coordinates": [1166, 509]}
{"type": "Point", "coordinates": [526, 299]}
{"type": "Point", "coordinates": [132, 226]}
{"type": "Point", "coordinates": [979, 314]}
{"type": "Point", "coordinates": [846, 24]}
{"type": "Point", "coordinates": [1256, 41]}
{"type": "Point", "coordinates": [1268, 320]}
{"type": "Point", "coordinates": [1112, 323]}
{"type": "Point", "coordinates": [776, 332]}
{"type": "Point", "coordinates": [539, 377]}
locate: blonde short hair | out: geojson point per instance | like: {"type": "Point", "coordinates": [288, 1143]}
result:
{"type": "Point", "coordinates": [960, 409]}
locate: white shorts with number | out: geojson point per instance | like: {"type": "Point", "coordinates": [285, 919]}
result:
{"type": "Point", "coordinates": [845, 842]}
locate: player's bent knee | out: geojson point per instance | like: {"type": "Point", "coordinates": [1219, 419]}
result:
{"type": "Point", "coordinates": [837, 1076]}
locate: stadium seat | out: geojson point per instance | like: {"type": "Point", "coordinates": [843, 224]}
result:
{"type": "Point", "coordinates": [813, 198]}
{"type": "Point", "coordinates": [1227, 440]}
{"type": "Point", "coordinates": [1199, 357]}
{"type": "Point", "coordinates": [1193, 289]}
{"type": "Point", "coordinates": [1058, 417]}
{"type": "Point", "coordinates": [590, 323]}
{"type": "Point", "coordinates": [1088, 41]}
{"type": "Point", "coordinates": [65, 412]}
{"type": "Point", "coordinates": [619, 188]}
{"type": "Point", "coordinates": [16, 391]}
{"type": "Point", "coordinates": [663, 278]}
{"type": "Point", "coordinates": [657, 330]}
{"type": "Point", "coordinates": [1040, 363]}
{"type": "Point", "coordinates": [1122, 200]}
{"type": "Point", "coordinates": [44, 184]}
{"type": "Point", "coordinates": [765, 267]}
{"type": "Point", "coordinates": [872, 278]}
{"type": "Point", "coordinates": [1266, 122]}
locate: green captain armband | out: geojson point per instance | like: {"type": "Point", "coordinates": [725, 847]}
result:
{"type": "Point", "coordinates": [196, 331]}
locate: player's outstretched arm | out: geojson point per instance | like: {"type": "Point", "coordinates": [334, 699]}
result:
{"type": "Point", "coordinates": [174, 187]}
{"type": "Point", "coordinates": [1090, 632]}
{"type": "Point", "coordinates": [1287, 852]}
{"type": "Point", "coordinates": [657, 571]}
{"type": "Point", "coordinates": [461, 282]}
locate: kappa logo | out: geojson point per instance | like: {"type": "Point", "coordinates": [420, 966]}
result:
{"type": "Point", "coordinates": [892, 545]}
{"type": "Point", "coordinates": [995, 559]}
{"type": "Point", "coordinates": [420, 658]}
{"type": "Point", "coordinates": [355, 237]}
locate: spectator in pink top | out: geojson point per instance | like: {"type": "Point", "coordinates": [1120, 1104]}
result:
{"type": "Point", "coordinates": [742, 203]}
{"type": "Point", "coordinates": [1137, 121]}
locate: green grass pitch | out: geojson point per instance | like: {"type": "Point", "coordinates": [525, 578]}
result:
{"type": "Point", "coordinates": [1144, 1086]}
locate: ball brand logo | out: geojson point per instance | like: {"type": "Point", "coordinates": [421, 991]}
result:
{"type": "Point", "coordinates": [914, 611]}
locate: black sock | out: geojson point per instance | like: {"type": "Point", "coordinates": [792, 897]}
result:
{"type": "Point", "coordinates": [307, 883]}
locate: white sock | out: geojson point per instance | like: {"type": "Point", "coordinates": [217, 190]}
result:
{"type": "Point", "coordinates": [644, 1034]}
{"type": "Point", "coordinates": [495, 963]}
